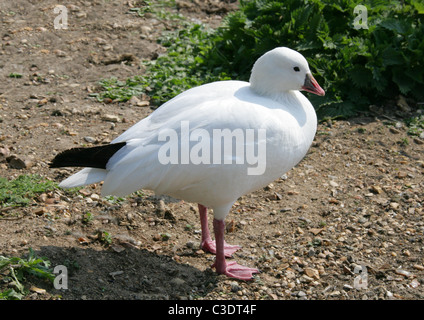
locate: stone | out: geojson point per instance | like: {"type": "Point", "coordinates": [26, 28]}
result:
{"type": "Point", "coordinates": [90, 139]}
{"type": "Point", "coordinates": [110, 118]}
{"type": "Point", "coordinates": [16, 162]}
{"type": "Point", "coordinates": [60, 53]}
{"type": "Point", "coordinates": [134, 101]}
{"type": "Point", "coordinates": [404, 273]}
{"type": "Point", "coordinates": [334, 184]}
{"type": "Point", "coordinates": [301, 294]}
{"type": "Point", "coordinates": [177, 281]}
{"type": "Point", "coordinates": [4, 153]}
{"type": "Point", "coordinates": [313, 273]}
{"type": "Point", "coordinates": [418, 140]}
{"type": "Point", "coordinates": [376, 189]}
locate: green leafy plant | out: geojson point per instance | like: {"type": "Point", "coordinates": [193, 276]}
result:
{"type": "Point", "coordinates": [20, 191]}
{"type": "Point", "coordinates": [104, 237]}
{"type": "Point", "coordinates": [120, 90]}
{"type": "Point", "coordinates": [17, 270]}
{"type": "Point", "coordinates": [158, 8]}
{"type": "Point", "coordinates": [416, 126]}
{"type": "Point", "coordinates": [165, 236]}
{"type": "Point", "coordinates": [15, 75]}
{"type": "Point", "coordinates": [87, 218]}
{"type": "Point", "coordinates": [404, 142]}
{"type": "Point", "coordinates": [182, 68]}
{"type": "Point", "coordinates": [356, 67]}
{"type": "Point", "coordinates": [114, 200]}
{"type": "Point", "coordinates": [184, 65]}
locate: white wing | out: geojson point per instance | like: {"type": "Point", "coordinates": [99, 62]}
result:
{"type": "Point", "coordinates": [221, 105]}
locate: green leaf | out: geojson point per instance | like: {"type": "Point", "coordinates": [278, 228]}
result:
{"type": "Point", "coordinates": [391, 57]}
{"type": "Point", "coordinates": [419, 6]}
{"type": "Point", "coordinates": [15, 75]}
{"type": "Point", "coordinates": [402, 80]}
{"type": "Point", "coordinates": [11, 295]}
{"type": "Point", "coordinates": [20, 191]}
{"type": "Point", "coordinates": [360, 76]}
{"type": "Point", "coordinates": [396, 25]}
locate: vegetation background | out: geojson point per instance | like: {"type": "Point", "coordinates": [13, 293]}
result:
{"type": "Point", "coordinates": [357, 67]}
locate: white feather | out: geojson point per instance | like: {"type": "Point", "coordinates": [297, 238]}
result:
{"type": "Point", "coordinates": [84, 177]}
{"type": "Point", "coordinates": [287, 117]}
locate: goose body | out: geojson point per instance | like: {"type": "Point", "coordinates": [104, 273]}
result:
{"type": "Point", "coordinates": [212, 144]}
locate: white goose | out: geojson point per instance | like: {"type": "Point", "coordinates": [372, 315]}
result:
{"type": "Point", "coordinates": [181, 150]}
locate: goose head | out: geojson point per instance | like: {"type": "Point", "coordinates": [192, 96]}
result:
{"type": "Point", "coordinates": [281, 70]}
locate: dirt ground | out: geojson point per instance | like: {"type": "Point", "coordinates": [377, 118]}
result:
{"type": "Point", "coordinates": [354, 203]}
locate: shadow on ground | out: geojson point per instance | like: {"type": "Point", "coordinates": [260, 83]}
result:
{"type": "Point", "coordinates": [131, 274]}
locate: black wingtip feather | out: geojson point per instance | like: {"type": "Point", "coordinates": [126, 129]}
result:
{"type": "Point", "coordinates": [94, 157]}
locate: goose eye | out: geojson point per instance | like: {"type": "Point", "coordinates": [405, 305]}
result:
{"type": "Point", "coordinates": [296, 69]}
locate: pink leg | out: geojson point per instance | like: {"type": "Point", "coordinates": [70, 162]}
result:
{"type": "Point", "coordinates": [207, 243]}
{"type": "Point", "coordinates": [231, 269]}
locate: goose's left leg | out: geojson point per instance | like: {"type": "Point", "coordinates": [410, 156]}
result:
{"type": "Point", "coordinates": [231, 269]}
